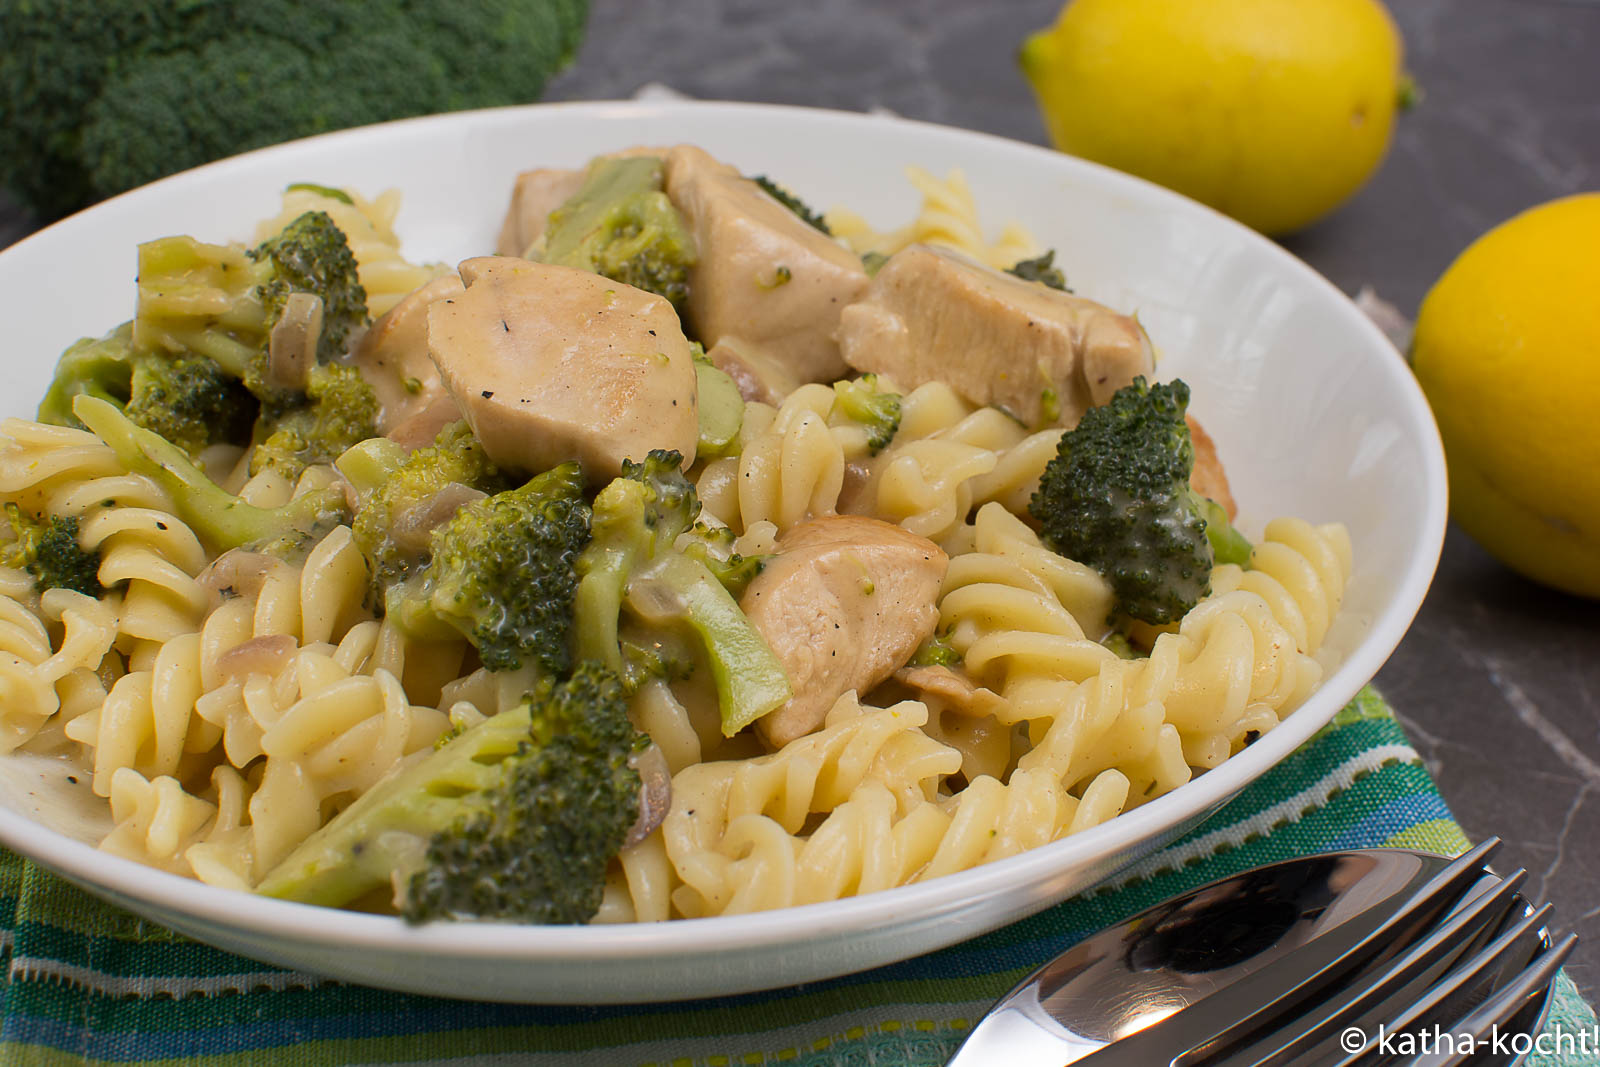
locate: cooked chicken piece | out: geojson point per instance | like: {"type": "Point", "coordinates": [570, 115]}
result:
{"type": "Point", "coordinates": [549, 364]}
{"type": "Point", "coordinates": [763, 277]}
{"type": "Point", "coordinates": [421, 429]}
{"type": "Point", "coordinates": [535, 195]}
{"type": "Point", "coordinates": [956, 691]}
{"type": "Point", "coordinates": [757, 376]}
{"type": "Point", "coordinates": [845, 602]}
{"type": "Point", "coordinates": [1208, 477]}
{"type": "Point", "coordinates": [1041, 354]}
{"type": "Point", "coordinates": [393, 357]}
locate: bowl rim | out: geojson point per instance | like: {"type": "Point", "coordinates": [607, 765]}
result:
{"type": "Point", "coordinates": [129, 880]}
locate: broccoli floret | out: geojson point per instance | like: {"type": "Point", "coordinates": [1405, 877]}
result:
{"type": "Point", "coordinates": [341, 411]}
{"type": "Point", "coordinates": [1117, 497]}
{"type": "Point", "coordinates": [501, 573]}
{"type": "Point", "coordinates": [395, 485]}
{"type": "Point", "coordinates": [190, 401]}
{"type": "Point", "coordinates": [220, 519]}
{"type": "Point", "coordinates": [645, 660]}
{"type": "Point", "coordinates": [514, 819]}
{"type": "Point", "coordinates": [222, 302]}
{"type": "Point", "coordinates": [1040, 269]}
{"type": "Point", "coordinates": [100, 97]}
{"type": "Point", "coordinates": [621, 224]}
{"type": "Point", "coordinates": [713, 546]}
{"type": "Point", "coordinates": [792, 202]}
{"type": "Point", "coordinates": [312, 255]}
{"type": "Point", "coordinates": [876, 409]}
{"type": "Point", "coordinates": [48, 549]}
{"type": "Point", "coordinates": [638, 518]}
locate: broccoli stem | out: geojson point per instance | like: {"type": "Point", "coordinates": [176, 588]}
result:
{"type": "Point", "coordinates": [1228, 545]}
{"type": "Point", "coordinates": [750, 680]}
{"type": "Point", "coordinates": [344, 860]}
{"type": "Point", "coordinates": [220, 519]}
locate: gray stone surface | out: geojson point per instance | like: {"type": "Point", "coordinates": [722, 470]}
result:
{"type": "Point", "coordinates": [1499, 680]}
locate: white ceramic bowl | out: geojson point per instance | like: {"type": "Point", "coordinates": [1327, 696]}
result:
{"type": "Point", "coordinates": [1313, 411]}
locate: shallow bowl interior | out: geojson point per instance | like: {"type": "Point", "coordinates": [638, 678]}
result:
{"type": "Point", "coordinates": [1314, 413]}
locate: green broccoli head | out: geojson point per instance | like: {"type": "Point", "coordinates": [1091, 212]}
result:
{"type": "Point", "coordinates": [793, 203]}
{"type": "Point", "coordinates": [633, 560]}
{"type": "Point", "coordinates": [340, 411]}
{"type": "Point", "coordinates": [1117, 498]}
{"type": "Point", "coordinates": [48, 549]}
{"type": "Point", "coordinates": [713, 546]}
{"type": "Point", "coordinates": [402, 488]}
{"type": "Point", "coordinates": [620, 224]}
{"type": "Point", "coordinates": [191, 401]}
{"type": "Point", "coordinates": [186, 398]}
{"type": "Point", "coordinates": [222, 302]}
{"type": "Point", "coordinates": [501, 573]}
{"type": "Point", "coordinates": [99, 98]}
{"type": "Point", "coordinates": [876, 409]}
{"type": "Point", "coordinates": [1040, 269]}
{"type": "Point", "coordinates": [312, 255]}
{"type": "Point", "coordinates": [515, 819]}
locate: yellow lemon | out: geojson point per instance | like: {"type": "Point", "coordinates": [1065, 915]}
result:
{"type": "Point", "coordinates": [1508, 350]}
{"type": "Point", "coordinates": [1273, 111]}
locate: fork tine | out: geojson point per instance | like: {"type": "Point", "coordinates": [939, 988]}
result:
{"type": "Point", "coordinates": [1244, 1008]}
{"type": "Point", "coordinates": [1502, 1007]}
{"type": "Point", "coordinates": [1464, 977]}
{"type": "Point", "coordinates": [1306, 1035]}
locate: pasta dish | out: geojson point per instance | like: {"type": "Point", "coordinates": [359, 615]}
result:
{"type": "Point", "coordinates": [689, 553]}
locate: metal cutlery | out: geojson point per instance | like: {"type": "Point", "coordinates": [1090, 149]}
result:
{"type": "Point", "coordinates": [1324, 961]}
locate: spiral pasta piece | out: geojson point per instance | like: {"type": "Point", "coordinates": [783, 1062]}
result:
{"type": "Point", "coordinates": [948, 217]}
{"type": "Point", "coordinates": [144, 549]}
{"type": "Point", "coordinates": [33, 669]}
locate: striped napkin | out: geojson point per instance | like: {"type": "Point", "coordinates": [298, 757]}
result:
{"type": "Point", "coordinates": [88, 984]}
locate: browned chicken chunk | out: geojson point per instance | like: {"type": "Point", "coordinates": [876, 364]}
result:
{"type": "Point", "coordinates": [843, 604]}
{"type": "Point", "coordinates": [533, 197]}
{"type": "Point", "coordinates": [758, 376]}
{"type": "Point", "coordinates": [393, 358]}
{"type": "Point", "coordinates": [1043, 355]}
{"type": "Point", "coordinates": [549, 363]}
{"type": "Point", "coordinates": [763, 276]}
{"type": "Point", "coordinates": [1208, 478]}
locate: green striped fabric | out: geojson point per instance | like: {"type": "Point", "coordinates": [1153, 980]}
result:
{"type": "Point", "coordinates": [86, 983]}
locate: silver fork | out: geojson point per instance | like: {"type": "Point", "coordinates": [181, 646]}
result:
{"type": "Point", "coordinates": [1461, 951]}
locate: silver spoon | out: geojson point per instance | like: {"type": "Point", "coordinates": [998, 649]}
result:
{"type": "Point", "coordinates": [1270, 962]}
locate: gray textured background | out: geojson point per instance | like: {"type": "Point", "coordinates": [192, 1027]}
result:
{"type": "Point", "coordinates": [1499, 680]}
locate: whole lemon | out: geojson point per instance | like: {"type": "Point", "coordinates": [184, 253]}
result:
{"type": "Point", "coordinates": [1507, 349]}
{"type": "Point", "coordinates": [1273, 111]}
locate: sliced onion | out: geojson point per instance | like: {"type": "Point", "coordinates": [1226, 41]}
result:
{"type": "Point", "coordinates": [655, 793]}
{"type": "Point", "coordinates": [413, 526]}
{"type": "Point", "coordinates": [292, 345]}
